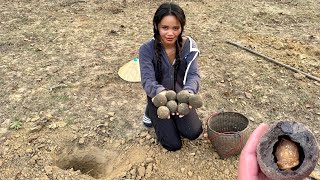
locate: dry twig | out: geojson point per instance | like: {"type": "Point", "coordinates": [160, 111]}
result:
{"type": "Point", "coordinates": [274, 61]}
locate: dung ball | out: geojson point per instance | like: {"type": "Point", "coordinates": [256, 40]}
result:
{"type": "Point", "coordinates": [195, 101]}
{"type": "Point", "coordinates": [288, 150]}
{"type": "Point", "coordinates": [183, 96]}
{"type": "Point", "coordinates": [183, 108]}
{"type": "Point", "coordinates": [171, 95]}
{"type": "Point", "coordinates": [163, 112]}
{"type": "Point", "coordinates": [160, 100]}
{"type": "Point", "coordinates": [172, 106]}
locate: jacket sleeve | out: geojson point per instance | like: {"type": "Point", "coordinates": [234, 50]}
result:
{"type": "Point", "coordinates": [148, 79]}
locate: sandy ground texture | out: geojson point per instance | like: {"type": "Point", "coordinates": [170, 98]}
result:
{"type": "Point", "coordinates": [66, 114]}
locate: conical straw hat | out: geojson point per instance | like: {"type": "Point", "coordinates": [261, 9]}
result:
{"type": "Point", "coordinates": [130, 71]}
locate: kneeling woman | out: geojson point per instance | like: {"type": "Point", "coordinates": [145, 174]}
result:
{"type": "Point", "coordinates": [170, 62]}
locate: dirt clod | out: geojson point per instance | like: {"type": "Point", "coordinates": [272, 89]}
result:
{"type": "Point", "coordinates": [171, 95]}
{"type": "Point", "coordinates": [183, 96]}
{"type": "Point", "coordinates": [195, 101]}
{"type": "Point", "coordinates": [163, 112]}
{"type": "Point", "coordinates": [172, 106]}
{"type": "Point", "coordinates": [183, 108]}
{"type": "Point", "coordinates": [160, 100]}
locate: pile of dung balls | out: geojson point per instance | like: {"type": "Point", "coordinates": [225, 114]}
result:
{"type": "Point", "coordinates": [170, 102]}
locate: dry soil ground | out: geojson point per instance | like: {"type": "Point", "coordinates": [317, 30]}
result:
{"type": "Point", "coordinates": [63, 106]}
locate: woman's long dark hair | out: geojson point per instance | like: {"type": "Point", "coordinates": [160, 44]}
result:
{"type": "Point", "coordinates": [166, 9]}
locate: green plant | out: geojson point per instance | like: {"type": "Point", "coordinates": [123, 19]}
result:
{"type": "Point", "coordinates": [16, 124]}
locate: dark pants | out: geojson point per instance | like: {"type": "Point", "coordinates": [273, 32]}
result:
{"type": "Point", "coordinates": [169, 131]}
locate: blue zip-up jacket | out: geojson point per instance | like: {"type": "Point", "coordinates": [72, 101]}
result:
{"type": "Point", "coordinates": [188, 76]}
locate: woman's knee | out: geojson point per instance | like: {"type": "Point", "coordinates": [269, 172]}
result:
{"type": "Point", "coordinates": [171, 145]}
{"type": "Point", "coordinates": [192, 135]}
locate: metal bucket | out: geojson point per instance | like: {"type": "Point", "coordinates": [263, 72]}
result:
{"type": "Point", "coordinates": [228, 133]}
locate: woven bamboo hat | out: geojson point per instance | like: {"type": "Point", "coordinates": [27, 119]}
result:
{"type": "Point", "coordinates": [130, 71]}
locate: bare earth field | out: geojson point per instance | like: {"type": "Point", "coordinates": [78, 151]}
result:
{"type": "Point", "coordinates": [66, 114]}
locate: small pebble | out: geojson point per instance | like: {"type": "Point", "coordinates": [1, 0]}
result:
{"type": "Point", "coordinates": [149, 160]}
{"type": "Point", "coordinates": [29, 150]}
{"type": "Point", "coordinates": [183, 170]}
{"type": "Point", "coordinates": [48, 170]}
{"type": "Point", "coordinates": [141, 171]}
{"type": "Point", "coordinates": [81, 141]}
{"type": "Point", "coordinates": [144, 134]}
{"type": "Point", "coordinates": [248, 95]}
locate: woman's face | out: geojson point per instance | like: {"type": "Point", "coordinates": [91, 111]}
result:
{"type": "Point", "coordinates": [169, 29]}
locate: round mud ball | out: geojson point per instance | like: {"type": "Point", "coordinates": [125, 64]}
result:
{"type": "Point", "coordinates": [172, 106]}
{"type": "Point", "coordinates": [183, 108]}
{"type": "Point", "coordinates": [288, 151]}
{"type": "Point", "coordinates": [171, 95]}
{"type": "Point", "coordinates": [160, 100]}
{"type": "Point", "coordinates": [183, 96]}
{"type": "Point", "coordinates": [195, 100]}
{"type": "Point", "coordinates": [163, 112]}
